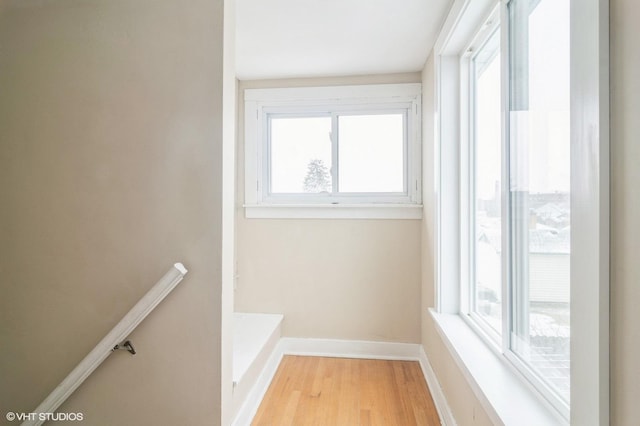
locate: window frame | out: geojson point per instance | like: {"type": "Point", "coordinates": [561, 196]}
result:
{"type": "Point", "coordinates": [468, 171]}
{"type": "Point", "coordinates": [502, 343]}
{"type": "Point", "coordinates": [516, 251]}
{"type": "Point", "coordinates": [262, 105]}
{"type": "Point", "coordinates": [589, 217]}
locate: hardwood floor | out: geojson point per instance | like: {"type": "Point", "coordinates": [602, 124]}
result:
{"type": "Point", "coordinates": [342, 392]}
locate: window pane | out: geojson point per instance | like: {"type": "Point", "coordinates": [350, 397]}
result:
{"type": "Point", "coordinates": [487, 153]}
{"type": "Point", "coordinates": [371, 153]}
{"type": "Point", "coordinates": [539, 197]}
{"type": "Point", "coordinates": [300, 155]}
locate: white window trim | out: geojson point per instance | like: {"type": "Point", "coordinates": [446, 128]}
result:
{"type": "Point", "coordinates": [303, 100]}
{"type": "Point", "coordinates": [589, 219]}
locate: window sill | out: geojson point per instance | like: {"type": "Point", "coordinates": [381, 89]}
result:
{"type": "Point", "coordinates": [334, 211]}
{"type": "Point", "coordinates": [503, 393]}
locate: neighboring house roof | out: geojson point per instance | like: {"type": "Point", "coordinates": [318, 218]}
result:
{"type": "Point", "coordinates": [551, 211]}
{"type": "Point", "coordinates": [550, 241]}
{"type": "Point", "coordinates": [541, 241]}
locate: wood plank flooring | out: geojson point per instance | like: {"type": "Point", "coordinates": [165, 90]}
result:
{"type": "Point", "coordinates": [342, 392]}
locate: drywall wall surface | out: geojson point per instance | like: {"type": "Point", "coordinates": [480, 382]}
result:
{"type": "Point", "coordinates": [340, 279]}
{"type": "Point", "coordinates": [110, 171]}
{"type": "Point", "coordinates": [625, 212]}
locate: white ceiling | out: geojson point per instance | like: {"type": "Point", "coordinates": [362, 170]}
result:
{"type": "Point", "coordinates": [319, 38]}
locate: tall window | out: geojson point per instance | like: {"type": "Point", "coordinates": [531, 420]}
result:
{"type": "Point", "coordinates": [519, 168]}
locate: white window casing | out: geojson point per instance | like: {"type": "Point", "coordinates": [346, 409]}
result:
{"type": "Point", "coordinates": [263, 105]}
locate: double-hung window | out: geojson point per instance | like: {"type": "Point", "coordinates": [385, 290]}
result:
{"type": "Point", "coordinates": [350, 151]}
{"type": "Point", "coordinates": [516, 190]}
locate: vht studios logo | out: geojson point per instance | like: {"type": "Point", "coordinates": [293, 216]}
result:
{"type": "Point", "coordinates": [45, 417]}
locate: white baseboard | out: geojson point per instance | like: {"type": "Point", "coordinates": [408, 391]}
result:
{"type": "Point", "coordinates": [342, 349]}
{"type": "Point", "coordinates": [350, 349]}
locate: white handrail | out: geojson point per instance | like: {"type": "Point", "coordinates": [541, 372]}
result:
{"type": "Point", "coordinates": [103, 349]}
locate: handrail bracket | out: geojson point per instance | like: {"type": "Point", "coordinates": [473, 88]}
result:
{"type": "Point", "coordinates": [128, 346]}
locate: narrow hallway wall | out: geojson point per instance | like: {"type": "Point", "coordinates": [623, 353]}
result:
{"type": "Point", "coordinates": [110, 171]}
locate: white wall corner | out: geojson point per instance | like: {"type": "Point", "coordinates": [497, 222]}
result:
{"type": "Point", "coordinates": [439, 400]}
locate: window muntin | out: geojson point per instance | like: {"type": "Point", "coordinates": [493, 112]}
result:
{"type": "Point", "coordinates": [486, 185]}
{"type": "Point", "coordinates": [539, 145]}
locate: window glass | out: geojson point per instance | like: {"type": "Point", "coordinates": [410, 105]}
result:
{"type": "Point", "coordinates": [486, 185]}
{"type": "Point", "coordinates": [539, 188]}
{"type": "Point", "coordinates": [300, 151]}
{"type": "Point", "coordinates": [371, 153]}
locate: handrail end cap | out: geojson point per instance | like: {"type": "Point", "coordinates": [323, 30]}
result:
{"type": "Point", "coordinates": [180, 267]}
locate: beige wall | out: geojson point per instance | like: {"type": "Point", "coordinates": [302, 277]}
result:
{"type": "Point", "coordinates": [625, 213]}
{"type": "Point", "coordinates": [625, 236]}
{"type": "Point", "coordinates": [110, 170]}
{"type": "Point", "coordinates": [341, 279]}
